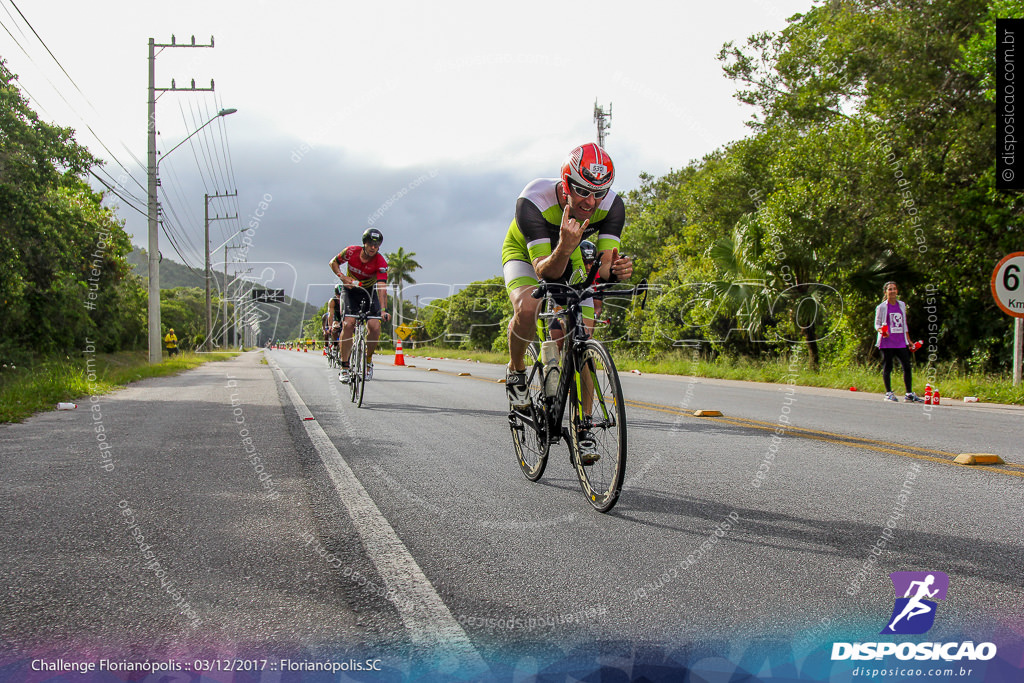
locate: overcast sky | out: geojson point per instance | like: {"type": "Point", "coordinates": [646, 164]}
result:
{"type": "Point", "coordinates": [427, 119]}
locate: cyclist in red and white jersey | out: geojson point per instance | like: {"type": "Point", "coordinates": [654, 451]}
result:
{"type": "Point", "coordinates": [366, 276]}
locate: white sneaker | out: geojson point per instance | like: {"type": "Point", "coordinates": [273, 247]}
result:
{"type": "Point", "coordinates": [515, 387]}
{"type": "Point", "coordinates": [369, 372]}
{"type": "Point", "coordinates": [889, 396]}
{"type": "Point", "coordinates": [588, 448]}
{"type": "Point", "coordinates": [343, 376]}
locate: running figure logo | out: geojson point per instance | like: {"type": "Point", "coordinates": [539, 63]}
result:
{"type": "Point", "coordinates": [914, 613]}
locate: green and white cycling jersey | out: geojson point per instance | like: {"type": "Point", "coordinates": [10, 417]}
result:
{"type": "Point", "coordinates": [534, 231]}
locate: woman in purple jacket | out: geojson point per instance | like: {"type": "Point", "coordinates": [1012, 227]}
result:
{"type": "Point", "coordinates": [894, 341]}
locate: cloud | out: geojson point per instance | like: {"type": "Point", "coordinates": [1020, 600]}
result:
{"type": "Point", "coordinates": [306, 202]}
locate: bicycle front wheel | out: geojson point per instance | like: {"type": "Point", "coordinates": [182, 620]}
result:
{"type": "Point", "coordinates": [530, 437]}
{"type": "Point", "coordinates": [357, 365]}
{"type": "Point", "coordinates": [362, 370]}
{"type": "Point", "coordinates": [596, 406]}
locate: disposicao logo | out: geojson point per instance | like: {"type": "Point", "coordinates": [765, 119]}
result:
{"type": "Point", "coordinates": [912, 614]}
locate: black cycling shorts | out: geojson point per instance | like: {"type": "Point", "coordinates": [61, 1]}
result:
{"type": "Point", "coordinates": [355, 299]}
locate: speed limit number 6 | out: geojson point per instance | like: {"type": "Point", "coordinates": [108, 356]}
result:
{"type": "Point", "coordinates": [1008, 284]}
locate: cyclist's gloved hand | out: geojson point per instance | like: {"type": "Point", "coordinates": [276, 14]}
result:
{"type": "Point", "coordinates": [622, 266]}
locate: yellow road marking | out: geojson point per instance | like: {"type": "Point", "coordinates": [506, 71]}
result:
{"type": "Point", "coordinates": [916, 452]}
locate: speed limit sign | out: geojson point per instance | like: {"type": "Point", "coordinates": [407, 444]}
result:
{"type": "Point", "coordinates": [1008, 284]}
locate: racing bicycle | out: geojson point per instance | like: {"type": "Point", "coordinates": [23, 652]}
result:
{"type": "Point", "coordinates": [587, 384]}
{"type": "Point", "coordinates": [333, 357]}
{"type": "Point", "coordinates": [357, 357]}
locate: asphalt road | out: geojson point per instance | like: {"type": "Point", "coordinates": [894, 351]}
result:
{"type": "Point", "coordinates": [515, 560]}
{"type": "Point", "coordinates": [406, 527]}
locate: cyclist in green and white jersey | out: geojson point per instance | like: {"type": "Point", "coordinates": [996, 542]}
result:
{"type": "Point", "coordinates": [552, 217]}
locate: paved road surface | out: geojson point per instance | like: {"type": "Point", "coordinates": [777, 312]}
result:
{"type": "Point", "coordinates": [405, 527]}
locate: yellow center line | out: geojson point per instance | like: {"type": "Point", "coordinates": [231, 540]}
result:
{"type": "Point", "coordinates": [760, 424]}
{"type": "Point", "coordinates": [916, 452]}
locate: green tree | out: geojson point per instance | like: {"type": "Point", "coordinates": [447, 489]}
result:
{"type": "Point", "coordinates": [887, 161]}
{"type": "Point", "coordinates": [312, 328]}
{"type": "Point", "coordinates": [183, 309]}
{"type": "Point", "coordinates": [63, 273]}
{"type": "Point", "coordinates": [473, 317]}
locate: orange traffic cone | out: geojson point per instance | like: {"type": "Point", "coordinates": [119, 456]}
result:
{"type": "Point", "coordinates": [399, 356]}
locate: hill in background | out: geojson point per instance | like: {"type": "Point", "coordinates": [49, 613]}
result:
{"type": "Point", "coordinates": [283, 321]}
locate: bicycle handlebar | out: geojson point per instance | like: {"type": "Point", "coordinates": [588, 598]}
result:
{"type": "Point", "coordinates": [563, 293]}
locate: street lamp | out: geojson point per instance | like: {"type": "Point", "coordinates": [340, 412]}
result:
{"type": "Point", "coordinates": [155, 352]}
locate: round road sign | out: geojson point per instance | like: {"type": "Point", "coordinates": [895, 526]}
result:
{"type": "Point", "coordinates": [1008, 284]}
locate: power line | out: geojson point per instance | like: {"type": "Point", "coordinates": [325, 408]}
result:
{"type": "Point", "coordinates": [60, 93]}
{"type": "Point", "coordinates": [116, 193]}
{"type": "Point", "coordinates": [43, 43]}
{"type": "Point", "coordinates": [41, 108]}
{"type": "Point", "coordinates": [230, 163]}
{"type": "Point", "coordinates": [221, 162]}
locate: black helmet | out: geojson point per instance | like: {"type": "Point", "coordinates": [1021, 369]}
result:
{"type": "Point", "coordinates": [373, 235]}
{"type": "Point", "coordinates": [588, 250]}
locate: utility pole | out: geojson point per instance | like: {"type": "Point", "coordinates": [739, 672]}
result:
{"type": "Point", "coordinates": [603, 121]}
{"type": "Point", "coordinates": [224, 293]}
{"type": "Point", "coordinates": [155, 352]}
{"type": "Point", "coordinates": [206, 220]}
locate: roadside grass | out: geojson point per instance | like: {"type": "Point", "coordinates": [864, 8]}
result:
{"type": "Point", "coordinates": [41, 384]}
{"type": "Point", "coordinates": [951, 380]}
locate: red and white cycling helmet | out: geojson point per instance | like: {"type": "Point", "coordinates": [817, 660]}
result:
{"type": "Point", "coordinates": [590, 168]}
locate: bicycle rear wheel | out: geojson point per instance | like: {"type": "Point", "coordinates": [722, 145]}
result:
{"type": "Point", "coordinates": [597, 384]}
{"type": "Point", "coordinates": [531, 441]}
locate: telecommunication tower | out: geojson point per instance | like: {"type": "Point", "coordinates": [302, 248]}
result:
{"type": "Point", "coordinates": [603, 121]}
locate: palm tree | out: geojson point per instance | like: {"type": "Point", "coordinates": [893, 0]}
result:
{"type": "Point", "coordinates": [400, 268]}
{"type": "Point", "coordinates": [755, 292]}
{"type": "Point", "coordinates": [744, 288]}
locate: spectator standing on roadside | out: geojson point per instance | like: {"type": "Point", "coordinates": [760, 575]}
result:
{"type": "Point", "coordinates": [893, 341]}
{"type": "Point", "coordinates": [171, 342]}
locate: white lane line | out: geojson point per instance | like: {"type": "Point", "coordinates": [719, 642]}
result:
{"type": "Point", "coordinates": [430, 622]}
